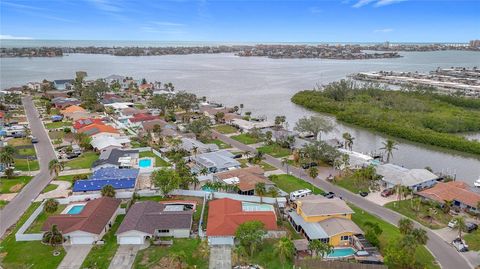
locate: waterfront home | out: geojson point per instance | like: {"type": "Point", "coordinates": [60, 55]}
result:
{"type": "Point", "coordinates": [225, 215]}
{"type": "Point", "coordinates": [212, 110]}
{"type": "Point", "coordinates": [63, 84]}
{"type": "Point", "coordinates": [95, 129]}
{"type": "Point", "coordinates": [214, 162]}
{"type": "Point", "coordinates": [197, 147]}
{"type": "Point", "coordinates": [245, 179]}
{"type": "Point", "coordinates": [120, 179]}
{"type": "Point", "coordinates": [103, 143]}
{"type": "Point", "coordinates": [249, 125]}
{"type": "Point", "coordinates": [85, 222]}
{"type": "Point", "coordinates": [455, 191]}
{"type": "Point", "coordinates": [116, 158]}
{"type": "Point", "coordinates": [149, 219]}
{"type": "Point", "coordinates": [328, 220]}
{"type": "Point", "coordinates": [415, 179]}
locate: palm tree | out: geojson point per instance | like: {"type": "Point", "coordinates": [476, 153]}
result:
{"type": "Point", "coordinates": [55, 167]}
{"type": "Point", "coordinates": [53, 237]}
{"type": "Point", "coordinates": [348, 140]}
{"type": "Point", "coordinates": [285, 163]}
{"type": "Point", "coordinates": [389, 147]}
{"type": "Point", "coordinates": [260, 190]}
{"type": "Point", "coordinates": [273, 192]}
{"type": "Point", "coordinates": [203, 171]}
{"type": "Point", "coordinates": [319, 248]}
{"type": "Point", "coordinates": [51, 205]}
{"type": "Point", "coordinates": [405, 226]}
{"type": "Point", "coordinates": [6, 158]}
{"type": "Point", "coordinates": [313, 172]}
{"type": "Point", "coordinates": [108, 191]}
{"type": "Point", "coordinates": [195, 151]}
{"type": "Point", "coordinates": [284, 249]}
{"type": "Point", "coordinates": [460, 225]}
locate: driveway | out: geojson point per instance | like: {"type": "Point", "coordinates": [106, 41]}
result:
{"type": "Point", "coordinates": [378, 199]}
{"type": "Point", "coordinates": [75, 256]}
{"type": "Point", "coordinates": [220, 257]}
{"type": "Point", "coordinates": [60, 192]}
{"type": "Point", "coordinates": [15, 209]}
{"type": "Point", "coordinates": [447, 256]}
{"type": "Point", "coordinates": [124, 257]}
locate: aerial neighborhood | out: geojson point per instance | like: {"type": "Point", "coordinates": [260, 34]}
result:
{"type": "Point", "coordinates": [121, 172]}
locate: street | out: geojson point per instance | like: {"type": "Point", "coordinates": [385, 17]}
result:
{"type": "Point", "coordinates": [445, 254]}
{"type": "Point", "coordinates": [15, 209]}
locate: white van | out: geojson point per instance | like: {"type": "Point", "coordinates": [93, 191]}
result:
{"type": "Point", "coordinates": [299, 193]}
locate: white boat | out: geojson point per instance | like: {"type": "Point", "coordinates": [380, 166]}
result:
{"type": "Point", "coordinates": [477, 183]}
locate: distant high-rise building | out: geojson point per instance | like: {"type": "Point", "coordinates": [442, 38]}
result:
{"type": "Point", "coordinates": [475, 43]}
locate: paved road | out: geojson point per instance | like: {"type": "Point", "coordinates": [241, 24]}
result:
{"type": "Point", "coordinates": [445, 254]}
{"type": "Point", "coordinates": [10, 214]}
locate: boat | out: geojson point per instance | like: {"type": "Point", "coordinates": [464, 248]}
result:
{"type": "Point", "coordinates": [477, 183]}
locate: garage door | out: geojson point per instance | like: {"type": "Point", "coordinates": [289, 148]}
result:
{"type": "Point", "coordinates": [131, 240]}
{"type": "Point", "coordinates": [82, 240]}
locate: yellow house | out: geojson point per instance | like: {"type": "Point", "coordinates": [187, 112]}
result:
{"type": "Point", "coordinates": [328, 220]}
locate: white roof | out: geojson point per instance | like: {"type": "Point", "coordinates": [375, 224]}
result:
{"type": "Point", "coordinates": [103, 141]}
{"type": "Point", "coordinates": [232, 180]}
{"type": "Point", "coordinates": [248, 125]}
{"type": "Point", "coordinates": [397, 175]}
{"type": "Point", "coordinates": [120, 105]}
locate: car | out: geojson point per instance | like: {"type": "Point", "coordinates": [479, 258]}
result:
{"type": "Point", "coordinates": [363, 193]}
{"type": "Point", "coordinates": [387, 192]}
{"type": "Point", "coordinates": [460, 245]}
{"type": "Point", "coordinates": [34, 140]}
{"type": "Point", "coordinates": [470, 227]}
{"type": "Point", "coordinates": [452, 224]}
{"type": "Point", "coordinates": [329, 195]}
{"type": "Point", "coordinates": [308, 165]}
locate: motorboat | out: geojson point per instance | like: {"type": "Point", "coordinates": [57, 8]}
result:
{"type": "Point", "coordinates": [477, 183]}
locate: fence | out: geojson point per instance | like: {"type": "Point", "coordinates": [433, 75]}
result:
{"type": "Point", "coordinates": [319, 264]}
{"type": "Point", "coordinates": [20, 235]}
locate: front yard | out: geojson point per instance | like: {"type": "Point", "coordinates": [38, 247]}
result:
{"type": "Point", "coordinates": [274, 150]}
{"type": "Point", "coordinates": [289, 183]}
{"type": "Point", "coordinates": [27, 254]}
{"type": "Point", "coordinates": [159, 162]}
{"type": "Point", "coordinates": [85, 160]}
{"type": "Point", "coordinates": [100, 256]}
{"type": "Point", "coordinates": [26, 165]}
{"type": "Point", "coordinates": [19, 142]}
{"type": "Point", "coordinates": [247, 139]}
{"type": "Point", "coordinates": [473, 240]}
{"type": "Point", "coordinates": [348, 182]}
{"type": "Point", "coordinates": [424, 213]}
{"type": "Point", "coordinates": [15, 184]}
{"type": "Point", "coordinates": [225, 129]}
{"type": "Point", "coordinates": [58, 124]}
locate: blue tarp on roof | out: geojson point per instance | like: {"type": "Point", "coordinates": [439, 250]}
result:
{"type": "Point", "coordinates": [118, 178]}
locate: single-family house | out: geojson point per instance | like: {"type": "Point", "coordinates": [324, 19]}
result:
{"type": "Point", "coordinates": [249, 125]}
{"type": "Point", "coordinates": [78, 124]}
{"type": "Point", "coordinates": [75, 112]}
{"type": "Point", "coordinates": [327, 220]}
{"type": "Point", "coordinates": [214, 162]}
{"type": "Point", "coordinates": [120, 179]}
{"type": "Point", "coordinates": [225, 215]}
{"type": "Point", "coordinates": [455, 191]}
{"type": "Point", "coordinates": [95, 129]}
{"type": "Point", "coordinates": [63, 102]}
{"type": "Point", "coordinates": [137, 119]}
{"type": "Point", "coordinates": [245, 179]}
{"type": "Point", "coordinates": [197, 147]}
{"type": "Point", "coordinates": [85, 222]}
{"type": "Point", "coordinates": [116, 158]}
{"type": "Point", "coordinates": [103, 143]}
{"type": "Point", "coordinates": [63, 84]}
{"type": "Point", "coordinates": [415, 179]}
{"type": "Point", "coordinates": [149, 219]}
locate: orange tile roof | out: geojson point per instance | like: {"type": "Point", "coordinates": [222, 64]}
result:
{"type": "Point", "coordinates": [97, 128]}
{"type": "Point", "coordinates": [225, 215]}
{"type": "Point", "coordinates": [453, 190]}
{"type": "Point", "coordinates": [73, 109]}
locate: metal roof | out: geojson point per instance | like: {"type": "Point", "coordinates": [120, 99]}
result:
{"type": "Point", "coordinates": [312, 229]}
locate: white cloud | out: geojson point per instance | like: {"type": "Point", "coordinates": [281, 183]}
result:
{"type": "Point", "coordinates": [106, 5]}
{"type": "Point", "coordinates": [381, 3]}
{"type": "Point", "coordinates": [376, 3]}
{"type": "Point", "coordinates": [315, 10]}
{"type": "Point", "coordinates": [15, 37]}
{"type": "Point", "coordinates": [167, 23]}
{"type": "Point", "coordinates": [385, 30]}
{"type": "Point", "coordinates": [362, 3]}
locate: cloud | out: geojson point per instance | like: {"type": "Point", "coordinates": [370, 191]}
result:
{"type": "Point", "coordinates": [381, 3]}
{"type": "Point", "coordinates": [167, 23]}
{"type": "Point", "coordinates": [385, 30]}
{"type": "Point", "coordinates": [106, 5]}
{"type": "Point", "coordinates": [376, 3]}
{"type": "Point", "coordinates": [15, 37]}
{"type": "Point", "coordinates": [315, 10]}
{"type": "Point", "coordinates": [362, 3]}
{"type": "Point", "coordinates": [35, 11]}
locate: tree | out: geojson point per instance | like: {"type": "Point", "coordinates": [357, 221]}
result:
{"type": "Point", "coordinates": [460, 225]}
{"type": "Point", "coordinates": [9, 173]}
{"type": "Point", "coordinates": [53, 237]}
{"type": "Point", "coordinates": [219, 117]}
{"type": "Point", "coordinates": [108, 191]}
{"type": "Point", "coordinates": [273, 192]}
{"type": "Point", "coordinates": [348, 140]}
{"type": "Point", "coordinates": [268, 137]}
{"type": "Point", "coordinates": [165, 179]}
{"type": "Point", "coordinates": [200, 127]}
{"type": "Point", "coordinates": [313, 172]}
{"type": "Point", "coordinates": [405, 226]}
{"type": "Point", "coordinates": [285, 163]}
{"type": "Point", "coordinates": [6, 158]}
{"type": "Point", "coordinates": [389, 146]}
{"type": "Point", "coordinates": [284, 249]}
{"type": "Point", "coordinates": [51, 205]}
{"type": "Point", "coordinates": [250, 235]}
{"type": "Point", "coordinates": [55, 167]}
{"type": "Point", "coordinates": [260, 190]}
{"type": "Point", "coordinates": [319, 248]}
{"type": "Point", "coordinates": [314, 125]}
{"type": "Point", "coordinates": [372, 231]}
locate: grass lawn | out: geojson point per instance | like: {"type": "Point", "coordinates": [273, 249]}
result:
{"type": "Point", "coordinates": [58, 124]}
{"type": "Point", "coordinates": [137, 144]}
{"type": "Point", "coordinates": [390, 234]}
{"type": "Point", "coordinates": [70, 177]}
{"type": "Point", "coordinates": [49, 187]}
{"type": "Point", "coordinates": [473, 240]}
{"type": "Point", "coordinates": [217, 142]}
{"type": "Point", "coordinates": [274, 150]}
{"type": "Point", "coordinates": [23, 165]}
{"type": "Point", "coordinates": [246, 139]}
{"type": "Point", "coordinates": [289, 183]}
{"type": "Point", "coordinates": [267, 258]}
{"type": "Point", "coordinates": [27, 254]}
{"type": "Point", "coordinates": [162, 257]}
{"type": "Point", "coordinates": [159, 162]}
{"type": "Point", "coordinates": [100, 256]}
{"type": "Point", "coordinates": [15, 184]}
{"type": "Point", "coordinates": [19, 142]}
{"type": "Point", "coordinates": [267, 167]}
{"type": "Point", "coordinates": [348, 183]}
{"type": "Point", "coordinates": [3, 204]}
{"type": "Point", "coordinates": [56, 135]}
{"type": "Point", "coordinates": [225, 129]}
{"type": "Point", "coordinates": [26, 151]}
{"type": "Point", "coordinates": [404, 207]}
{"type": "Point", "coordinates": [36, 226]}
{"type": "Point", "coordinates": [84, 161]}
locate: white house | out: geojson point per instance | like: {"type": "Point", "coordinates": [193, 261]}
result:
{"type": "Point", "coordinates": [414, 179]}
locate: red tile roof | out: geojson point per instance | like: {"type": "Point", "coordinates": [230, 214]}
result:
{"type": "Point", "coordinates": [93, 218]}
{"type": "Point", "coordinates": [73, 109]}
{"type": "Point", "coordinates": [143, 117]}
{"type": "Point", "coordinates": [453, 190]}
{"type": "Point", "coordinates": [85, 122]}
{"type": "Point", "coordinates": [225, 215]}
{"type": "Point", "coordinates": [96, 128]}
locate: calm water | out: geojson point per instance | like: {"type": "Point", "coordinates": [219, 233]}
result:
{"type": "Point", "coordinates": [263, 85]}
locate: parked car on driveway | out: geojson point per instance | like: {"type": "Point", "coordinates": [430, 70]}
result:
{"type": "Point", "coordinates": [452, 224]}
{"type": "Point", "coordinates": [387, 192]}
{"type": "Point", "coordinates": [470, 227]}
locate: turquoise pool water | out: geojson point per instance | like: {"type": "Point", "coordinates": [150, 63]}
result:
{"type": "Point", "coordinates": [246, 206]}
{"type": "Point", "coordinates": [76, 209]}
{"type": "Point", "coordinates": [341, 252]}
{"type": "Point", "coordinates": [145, 163]}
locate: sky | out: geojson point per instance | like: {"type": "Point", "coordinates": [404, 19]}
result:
{"type": "Point", "coordinates": [242, 21]}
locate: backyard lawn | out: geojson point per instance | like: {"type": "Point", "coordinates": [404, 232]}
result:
{"type": "Point", "coordinates": [274, 150]}
{"type": "Point", "coordinates": [27, 254]}
{"type": "Point", "coordinates": [289, 183]}
{"type": "Point", "coordinates": [24, 165]}
{"type": "Point", "coordinates": [58, 124]}
{"type": "Point", "coordinates": [267, 257]}
{"type": "Point", "coordinates": [100, 256]}
{"type": "Point", "coordinates": [473, 240]}
{"type": "Point", "coordinates": [439, 218]}
{"type": "Point", "coordinates": [390, 234]}
{"type": "Point", "coordinates": [36, 226]}
{"type": "Point", "coordinates": [166, 257]}
{"type": "Point", "coordinates": [84, 161]}
{"type": "Point", "coordinates": [159, 162]}
{"type": "Point", "coordinates": [225, 129]}
{"type": "Point", "coordinates": [246, 139]}
{"type": "Point", "coordinates": [15, 184]}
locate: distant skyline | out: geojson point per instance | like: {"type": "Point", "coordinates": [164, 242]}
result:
{"type": "Point", "coordinates": [242, 21]}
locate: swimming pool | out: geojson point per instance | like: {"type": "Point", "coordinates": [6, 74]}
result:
{"type": "Point", "coordinates": [145, 163]}
{"type": "Point", "coordinates": [246, 206]}
{"type": "Point", "coordinates": [341, 253]}
{"type": "Point", "coordinates": [76, 209]}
